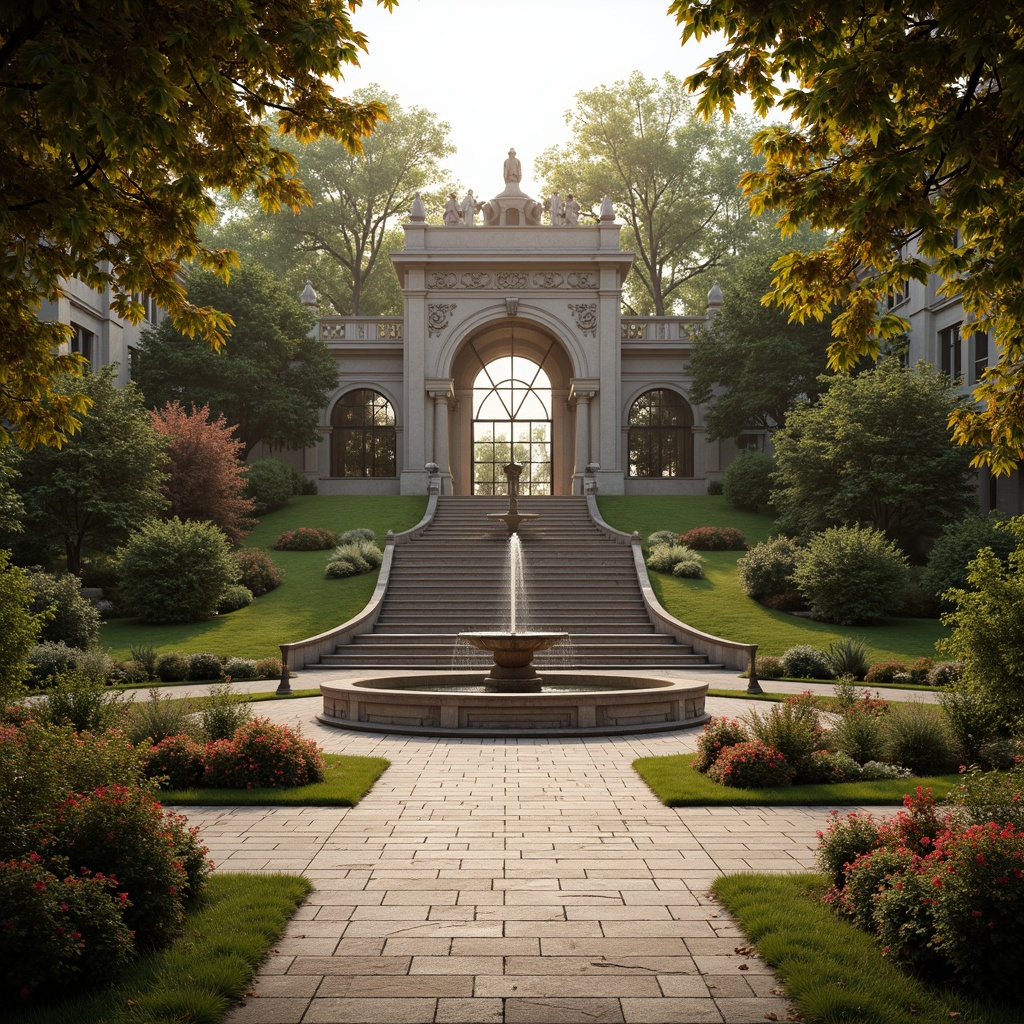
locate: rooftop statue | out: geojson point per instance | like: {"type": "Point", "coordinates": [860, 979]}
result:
{"type": "Point", "coordinates": [513, 169]}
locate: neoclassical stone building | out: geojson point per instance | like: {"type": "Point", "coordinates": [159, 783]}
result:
{"type": "Point", "coordinates": [512, 341]}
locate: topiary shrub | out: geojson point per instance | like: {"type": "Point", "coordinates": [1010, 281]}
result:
{"type": "Point", "coordinates": [747, 482]}
{"type": "Point", "coordinates": [766, 571]}
{"type": "Point", "coordinates": [240, 669]}
{"type": "Point", "coordinates": [851, 574]}
{"type": "Point", "coordinates": [714, 538]}
{"type": "Point", "coordinates": [751, 765]}
{"type": "Point", "coordinates": [268, 668]}
{"type": "Point", "coordinates": [269, 483]}
{"type": "Point", "coordinates": [884, 671]}
{"type": "Point", "coordinates": [172, 667]}
{"type": "Point", "coordinates": [958, 546]}
{"type": "Point", "coordinates": [62, 930]}
{"type": "Point", "coordinates": [690, 566]}
{"type": "Point", "coordinates": [234, 598]}
{"type": "Point", "coordinates": [173, 571]}
{"type": "Point", "coordinates": [306, 538]}
{"type": "Point", "coordinates": [204, 666]}
{"type": "Point", "coordinates": [176, 762]}
{"type": "Point", "coordinates": [806, 662]}
{"type": "Point", "coordinates": [262, 754]}
{"type": "Point", "coordinates": [257, 571]}
{"type": "Point", "coordinates": [49, 660]}
{"type": "Point", "coordinates": [718, 734]}
{"type": "Point", "coordinates": [70, 617]}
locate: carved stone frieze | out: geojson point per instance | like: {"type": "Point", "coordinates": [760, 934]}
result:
{"type": "Point", "coordinates": [585, 315]}
{"type": "Point", "coordinates": [583, 279]}
{"type": "Point", "coordinates": [476, 280]}
{"type": "Point", "coordinates": [548, 280]}
{"type": "Point", "coordinates": [436, 279]}
{"type": "Point", "coordinates": [510, 279]}
{"type": "Point", "coordinates": [438, 315]}
{"type": "Point", "coordinates": [332, 332]}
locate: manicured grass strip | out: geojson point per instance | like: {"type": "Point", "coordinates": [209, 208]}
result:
{"type": "Point", "coordinates": [717, 603]}
{"type": "Point", "coordinates": [348, 780]}
{"type": "Point", "coordinates": [207, 970]}
{"type": "Point", "coordinates": [676, 784]}
{"type": "Point", "coordinates": [306, 603]}
{"type": "Point", "coordinates": [833, 972]}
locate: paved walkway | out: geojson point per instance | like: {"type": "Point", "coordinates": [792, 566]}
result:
{"type": "Point", "coordinates": [509, 882]}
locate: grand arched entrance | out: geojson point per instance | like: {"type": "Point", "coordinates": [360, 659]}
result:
{"type": "Point", "coordinates": [511, 387]}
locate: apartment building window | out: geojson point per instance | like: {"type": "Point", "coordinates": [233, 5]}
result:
{"type": "Point", "coordinates": [979, 350]}
{"type": "Point", "coordinates": [83, 342]}
{"type": "Point", "coordinates": [900, 295]}
{"type": "Point", "coordinates": [133, 362]}
{"type": "Point", "coordinates": [951, 351]}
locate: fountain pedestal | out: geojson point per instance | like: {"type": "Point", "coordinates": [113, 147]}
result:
{"type": "Point", "coordinates": [512, 671]}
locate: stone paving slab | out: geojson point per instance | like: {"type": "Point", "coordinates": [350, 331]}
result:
{"type": "Point", "coordinates": [529, 881]}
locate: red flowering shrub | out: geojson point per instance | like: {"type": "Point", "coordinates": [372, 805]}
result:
{"type": "Point", "coordinates": [177, 761]}
{"type": "Point", "coordinates": [262, 754]}
{"type": "Point", "coordinates": [58, 929]}
{"type": "Point", "coordinates": [885, 671]}
{"type": "Point", "coordinates": [751, 765]}
{"type": "Point", "coordinates": [257, 570]}
{"type": "Point", "coordinates": [843, 840]}
{"type": "Point", "coordinates": [306, 538]}
{"type": "Point", "coordinates": [718, 734]}
{"type": "Point", "coordinates": [123, 832]}
{"type": "Point", "coordinates": [714, 538]}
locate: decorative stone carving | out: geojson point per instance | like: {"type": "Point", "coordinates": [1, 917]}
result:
{"type": "Point", "coordinates": [451, 210]}
{"type": "Point", "coordinates": [438, 315]}
{"type": "Point", "coordinates": [508, 279]}
{"type": "Point", "coordinates": [581, 280]}
{"type": "Point", "coordinates": [571, 211]}
{"type": "Point", "coordinates": [512, 169]}
{"type": "Point", "coordinates": [332, 332]}
{"type": "Point", "coordinates": [436, 279]}
{"type": "Point", "coordinates": [471, 206]}
{"type": "Point", "coordinates": [585, 314]}
{"type": "Point", "coordinates": [390, 329]}
{"type": "Point", "coordinates": [557, 210]}
{"type": "Point", "coordinates": [475, 280]}
{"type": "Point", "coordinates": [548, 280]}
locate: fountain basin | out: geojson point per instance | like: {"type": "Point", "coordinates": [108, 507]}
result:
{"type": "Point", "coordinates": [513, 656]}
{"type": "Point", "coordinates": [574, 704]}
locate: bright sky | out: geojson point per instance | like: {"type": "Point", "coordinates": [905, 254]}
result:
{"type": "Point", "coordinates": [504, 72]}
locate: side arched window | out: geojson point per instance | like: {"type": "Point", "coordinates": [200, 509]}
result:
{"type": "Point", "coordinates": [660, 435]}
{"type": "Point", "coordinates": [363, 435]}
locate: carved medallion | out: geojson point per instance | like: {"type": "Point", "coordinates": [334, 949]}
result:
{"type": "Point", "coordinates": [438, 315]}
{"type": "Point", "coordinates": [475, 280]}
{"type": "Point", "coordinates": [548, 280]}
{"type": "Point", "coordinates": [508, 279]}
{"type": "Point", "coordinates": [585, 314]}
{"type": "Point", "coordinates": [436, 279]}
{"type": "Point", "coordinates": [583, 279]}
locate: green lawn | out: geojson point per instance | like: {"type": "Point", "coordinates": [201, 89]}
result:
{"type": "Point", "coordinates": [348, 780]}
{"type": "Point", "coordinates": [717, 604]}
{"type": "Point", "coordinates": [834, 972]}
{"type": "Point", "coordinates": [306, 603]}
{"type": "Point", "coordinates": [676, 784]}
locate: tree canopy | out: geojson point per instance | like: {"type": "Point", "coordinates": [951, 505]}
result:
{"type": "Point", "coordinates": [340, 242]}
{"type": "Point", "coordinates": [906, 140]}
{"type": "Point", "coordinates": [673, 177]}
{"type": "Point", "coordinates": [117, 123]}
{"type": "Point", "coordinates": [874, 450]}
{"type": "Point", "coordinates": [269, 381]}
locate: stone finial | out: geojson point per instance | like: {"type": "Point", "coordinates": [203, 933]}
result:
{"type": "Point", "coordinates": [715, 300]}
{"type": "Point", "coordinates": [309, 296]}
{"type": "Point", "coordinates": [417, 213]}
{"type": "Point", "coordinates": [607, 210]}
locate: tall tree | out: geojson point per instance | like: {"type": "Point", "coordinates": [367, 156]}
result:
{"type": "Point", "coordinates": [672, 176]}
{"type": "Point", "coordinates": [874, 450]}
{"type": "Point", "coordinates": [104, 482]}
{"type": "Point", "coordinates": [205, 478]}
{"type": "Point", "coordinates": [906, 141]}
{"type": "Point", "coordinates": [752, 363]}
{"type": "Point", "coordinates": [117, 123]}
{"type": "Point", "coordinates": [270, 379]}
{"type": "Point", "coordinates": [340, 242]}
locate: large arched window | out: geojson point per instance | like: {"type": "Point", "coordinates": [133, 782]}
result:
{"type": "Point", "coordinates": [512, 420]}
{"type": "Point", "coordinates": [660, 435]}
{"type": "Point", "coordinates": [363, 435]}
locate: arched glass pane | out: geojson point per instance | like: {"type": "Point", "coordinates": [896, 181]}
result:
{"type": "Point", "coordinates": [660, 435]}
{"type": "Point", "coordinates": [363, 438]}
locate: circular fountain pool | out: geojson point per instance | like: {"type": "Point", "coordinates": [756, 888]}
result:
{"type": "Point", "coordinates": [569, 704]}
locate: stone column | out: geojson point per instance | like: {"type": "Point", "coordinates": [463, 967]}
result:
{"type": "Point", "coordinates": [441, 393]}
{"type": "Point", "coordinates": [582, 438]}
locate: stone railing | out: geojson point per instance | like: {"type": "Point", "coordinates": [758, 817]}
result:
{"type": "Point", "coordinates": [661, 328]}
{"type": "Point", "coordinates": [360, 328]}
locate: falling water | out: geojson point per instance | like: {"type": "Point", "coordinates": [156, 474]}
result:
{"type": "Point", "coordinates": [516, 583]}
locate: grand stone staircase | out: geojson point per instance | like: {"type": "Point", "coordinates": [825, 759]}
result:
{"type": "Point", "coordinates": [452, 578]}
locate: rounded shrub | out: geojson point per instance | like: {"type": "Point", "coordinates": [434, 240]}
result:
{"type": "Point", "coordinates": [354, 558]}
{"type": "Point", "coordinates": [945, 673]}
{"type": "Point", "coordinates": [747, 483]}
{"type": "Point", "coordinates": [690, 567]}
{"type": "Point", "coordinates": [845, 838]}
{"type": "Point", "coordinates": [269, 483]}
{"type": "Point", "coordinates": [268, 668]}
{"type": "Point", "coordinates": [662, 537]}
{"type": "Point", "coordinates": [851, 574]}
{"type": "Point", "coordinates": [257, 570]}
{"type": "Point", "coordinates": [718, 734]}
{"type": "Point", "coordinates": [806, 662]}
{"type": "Point", "coordinates": [358, 534]}
{"type": "Point", "coordinates": [203, 666]}
{"type": "Point", "coordinates": [176, 762]}
{"type": "Point", "coordinates": [241, 668]}
{"type": "Point", "coordinates": [306, 538]}
{"type": "Point", "coordinates": [71, 618]}
{"type": "Point", "coordinates": [766, 570]}
{"type": "Point", "coordinates": [174, 571]}
{"type": "Point", "coordinates": [769, 667]}
{"type": "Point", "coordinates": [715, 486]}
{"type": "Point", "coordinates": [958, 546]}
{"type": "Point", "coordinates": [884, 672]}
{"type": "Point", "coordinates": [234, 597]}
{"type": "Point", "coordinates": [751, 765]}
{"type": "Point", "coordinates": [83, 703]}
{"type": "Point", "coordinates": [262, 754]}
{"type": "Point", "coordinates": [828, 767]}
{"type": "Point", "coordinates": [172, 667]}
{"type": "Point", "coordinates": [714, 538]}
{"type": "Point", "coordinates": [49, 660]}
{"type": "Point", "coordinates": [918, 739]}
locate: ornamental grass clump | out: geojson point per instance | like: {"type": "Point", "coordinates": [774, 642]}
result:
{"type": "Point", "coordinates": [794, 729]}
{"type": "Point", "coordinates": [751, 765]}
{"type": "Point", "coordinates": [354, 559]}
{"type": "Point", "coordinates": [665, 557]}
{"type": "Point", "coordinates": [718, 734]}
